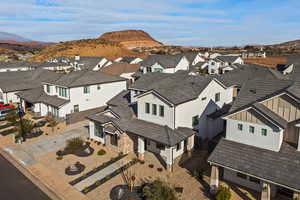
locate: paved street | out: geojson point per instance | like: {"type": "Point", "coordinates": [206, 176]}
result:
{"type": "Point", "coordinates": [15, 186]}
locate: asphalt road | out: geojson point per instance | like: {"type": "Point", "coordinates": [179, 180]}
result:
{"type": "Point", "coordinates": [15, 186]}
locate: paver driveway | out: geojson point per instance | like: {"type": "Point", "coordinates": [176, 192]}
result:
{"type": "Point", "coordinates": [25, 152]}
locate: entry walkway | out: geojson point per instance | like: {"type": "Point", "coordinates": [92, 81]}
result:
{"type": "Point", "coordinates": [101, 174]}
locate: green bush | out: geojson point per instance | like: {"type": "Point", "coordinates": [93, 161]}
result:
{"type": "Point", "coordinates": [59, 157]}
{"type": "Point", "coordinates": [223, 193]}
{"type": "Point", "coordinates": [159, 190]}
{"type": "Point", "coordinates": [101, 152]}
{"type": "Point", "coordinates": [74, 145]}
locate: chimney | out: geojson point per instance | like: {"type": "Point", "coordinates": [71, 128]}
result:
{"type": "Point", "coordinates": [77, 57]}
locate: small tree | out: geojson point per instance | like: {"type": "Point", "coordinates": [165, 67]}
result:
{"type": "Point", "coordinates": [52, 121]}
{"type": "Point", "coordinates": [130, 179]}
{"type": "Point", "coordinates": [223, 193]}
{"type": "Point", "coordinates": [159, 190]}
{"type": "Point", "coordinates": [12, 117]}
{"type": "Point", "coordinates": [24, 127]}
{"type": "Point", "coordinates": [74, 145]}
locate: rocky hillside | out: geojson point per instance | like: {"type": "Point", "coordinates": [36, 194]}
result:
{"type": "Point", "coordinates": [88, 47]}
{"type": "Point", "coordinates": [131, 38]}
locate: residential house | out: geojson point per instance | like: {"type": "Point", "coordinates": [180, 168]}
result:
{"type": "Point", "coordinates": [17, 66]}
{"type": "Point", "coordinates": [164, 63]}
{"type": "Point", "coordinates": [130, 60]}
{"type": "Point", "coordinates": [73, 92]}
{"type": "Point", "coordinates": [223, 64]}
{"type": "Point", "coordinates": [124, 70]}
{"type": "Point", "coordinates": [261, 147]}
{"type": "Point", "coordinates": [89, 63]}
{"type": "Point", "coordinates": [161, 113]}
{"type": "Point", "coordinates": [17, 81]}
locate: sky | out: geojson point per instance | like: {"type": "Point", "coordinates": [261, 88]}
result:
{"type": "Point", "coordinates": [173, 22]}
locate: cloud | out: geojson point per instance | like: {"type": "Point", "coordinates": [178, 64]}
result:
{"type": "Point", "coordinates": [183, 22]}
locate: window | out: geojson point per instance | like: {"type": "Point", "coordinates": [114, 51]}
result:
{"type": "Point", "coordinates": [251, 129]}
{"type": "Point", "coordinates": [212, 63]}
{"type": "Point", "coordinates": [161, 111]}
{"type": "Point", "coordinates": [160, 146]}
{"type": "Point", "coordinates": [154, 109]}
{"type": "Point", "coordinates": [240, 175]}
{"type": "Point", "coordinates": [148, 69]}
{"type": "Point", "coordinates": [76, 108]}
{"type": "Point", "coordinates": [62, 92]}
{"type": "Point", "coordinates": [147, 108]}
{"type": "Point", "coordinates": [217, 97]}
{"type": "Point", "coordinates": [264, 132]}
{"type": "Point", "coordinates": [240, 127]}
{"type": "Point", "coordinates": [98, 87]}
{"type": "Point", "coordinates": [48, 89]}
{"type": "Point", "coordinates": [178, 146]}
{"type": "Point", "coordinates": [254, 180]}
{"type": "Point", "coordinates": [158, 70]}
{"type": "Point", "coordinates": [135, 92]}
{"type": "Point", "coordinates": [99, 131]}
{"type": "Point", "coordinates": [204, 98]}
{"type": "Point", "coordinates": [86, 89]}
{"type": "Point", "coordinates": [195, 120]}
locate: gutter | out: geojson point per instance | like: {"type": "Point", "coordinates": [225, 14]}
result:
{"type": "Point", "coordinates": [263, 179]}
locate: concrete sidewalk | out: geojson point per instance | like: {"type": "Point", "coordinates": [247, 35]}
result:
{"type": "Point", "coordinates": [101, 174]}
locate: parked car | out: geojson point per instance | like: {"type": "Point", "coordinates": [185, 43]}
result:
{"type": "Point", "coordinates": [3, 113]}
{"type": "Point", "coordinates": [5, 106]}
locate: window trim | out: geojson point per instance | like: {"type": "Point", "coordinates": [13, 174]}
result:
{"type": "Point", "coordinates": [217, 97]}
{"type": "Point", "coordinates": [154, 109]}
{"type": "Point", "coordinates": [147, 108]}
{"type": "Point", "coordinates": [161, 111]}
{"type": "Point", "coordinates": [264, 133]}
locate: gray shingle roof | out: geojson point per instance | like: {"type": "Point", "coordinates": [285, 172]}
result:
{"type": "Point", "coordinates": [17, 81]}
{"type": "Point", "coordinates": [279, 167]}
{"type": "Point", "coordinates": [84, 77]}
{"type": "Point", "coordinates": [228, 59]}
{"type": "Point", "coordinates": [166, 61]}
{"type": "Point", "coordinates": [176, 88]}
{"type": "Point", "coordinates": [37, 95]}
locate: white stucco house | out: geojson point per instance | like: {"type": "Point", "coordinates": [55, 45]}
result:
{"type": "Point", "coordinates": [73, 92]}
{"type": "Point", "coordinates": [261, 148]}
{"type": "Point", "coordinates": [223, 64]}
{"type": "Point", "coordinates": [164, 63]}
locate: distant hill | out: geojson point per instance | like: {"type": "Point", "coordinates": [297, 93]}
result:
{"type": "Point", "coordinates": [131, 38]}
{"type": "Point", "coordinates": [13, 37]}
{"type": "Point", "coordinates": [294, 43]}
{"type": "Point", "coordinates": [87, 47]}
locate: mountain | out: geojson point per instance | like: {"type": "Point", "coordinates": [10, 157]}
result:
{"type": "Point", "coordinates": [13, 37]}
{"type": "Point", "coordinates": [87, 47]}
{"type": "Point", "coordinates": [131, 38]}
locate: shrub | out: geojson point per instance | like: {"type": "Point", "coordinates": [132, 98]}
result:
{"type": "Point", "coordinates": [142, 162]}
{"type": "Point", "coordinates": [101, 152]}
{"type": "Point", "coordinates": [159, 169]}
{"type": "Point", "coordinates": [59, 157]}
{"type": "Point", "coordinates": [120, 154]}
{"type": "Point", "coordinates": [159, 190]}
{"type": "Point", "coordinates": [74, 145]}
{"type": "Point", "coordinates": [223, 193]}
{"type": "Point", "coordinates": [98, 143]}
{"type": "Point", "coordinates": [97, 183]}
{"type": "Point", "coordinates": [151, 165]}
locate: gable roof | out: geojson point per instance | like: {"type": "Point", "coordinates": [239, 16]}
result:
{"type": "Point", "coordinates": [116, 69]}
{"type": "Point", "coordinates": [84, 77]}
{"type": "Point", "coordinates": [166, 61]}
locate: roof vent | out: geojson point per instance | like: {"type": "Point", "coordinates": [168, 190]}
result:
{"type": "Point", "coordinates": [253, 91]}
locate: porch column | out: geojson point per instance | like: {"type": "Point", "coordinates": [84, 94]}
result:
{"type": "Point", "coordinates": [296, 196]}
{"type": "Point", "coordinates": [169, 158]}
{"type": "Point", "coordinates": [141, 148]}
{"type": "Point", "coordinates": [266, 192]}
{"type": "Point", "coordinates": [214, 179]}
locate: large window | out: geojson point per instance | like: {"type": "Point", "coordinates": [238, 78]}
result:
{"type": "Point", "coordinates": [264, 132]}
{"type": "Point", "coordinates": [195, 120]}
{"type": "Point", "coordinates": [99, 131]}
{"type": "Point", "coordinates": [217, 97]}
{"type": "Point", "coordinates": [251, 129]}
{"type": "Point", "coordinates": [147, 108]}
{"type": "Point", "coordinates": [86, 89]}
{"type": "Point", "coordinates": [161, 111]}
{"type": "Point", "coordinates": [62, 92]}
{"type": "Point", "coordinates": [154, 109]}
{"type": "Point", "coordinates": [240, 127]}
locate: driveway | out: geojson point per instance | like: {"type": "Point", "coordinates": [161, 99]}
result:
{"type": "Point", "coordinates": [15, 186]}
{"type": "Point", "coordinates": [25, 153]}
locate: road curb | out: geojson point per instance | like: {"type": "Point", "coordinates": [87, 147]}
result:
{"type": "Point", "coordinates": [27, 173]}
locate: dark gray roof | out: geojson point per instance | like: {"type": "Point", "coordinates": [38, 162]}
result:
{"type": "Point", "coordinates": [37, 95]}
{"type": "Point", "coordinates": [87, 62]}
{"type": "Point", "coordinates": [271, 115]}
{"type": "Point", "coordinates": [228, 59]}
{"type": "Point", "coordinates": [17, 81]}
{"type": "Point", "coordinates": [127, 59]}
{"type": "Point", "coordinates": [190, 56]}
{"type": "Point", "coordinates": [176, 88]}
{"type": "Point", "coordinates": [279, 167]}
{"type": "Point", "coordinates": [155, 132]}
{"type": "Point", "coordinates": [84, 77]}
{"type": "Point", "coordinates": [166, 61]}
